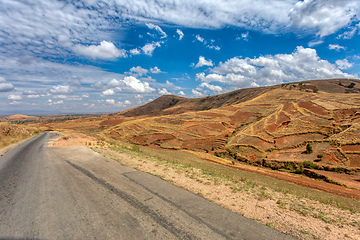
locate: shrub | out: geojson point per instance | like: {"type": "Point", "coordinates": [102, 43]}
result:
{"type": "Point", "coordinates": [315, 90]}
{"type": "Point", "coordinates": [135, 148]}
{"type": "Point", "coordinates": [308, 149]}
{"type": "Point", "coordinates": [309, 164]}
{"type": "Point", "coordinates": [320, 156]}
{"type": "Point", "coordinates": [217, 154]}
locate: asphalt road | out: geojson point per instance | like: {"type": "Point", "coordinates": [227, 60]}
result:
{"type": "Point", "coordinates": [74, 193]}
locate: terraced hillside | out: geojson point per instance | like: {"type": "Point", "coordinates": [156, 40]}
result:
{"type": "Point", "coordinates": [266, 126]}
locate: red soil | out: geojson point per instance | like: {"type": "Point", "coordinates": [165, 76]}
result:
{"type": "Point", "coordinates": [314, 108]}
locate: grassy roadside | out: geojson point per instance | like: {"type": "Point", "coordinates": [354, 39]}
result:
{"type": "Point", "coordinates": [298, 211]}
{"type": "Point", "coordinates": [13, 133]}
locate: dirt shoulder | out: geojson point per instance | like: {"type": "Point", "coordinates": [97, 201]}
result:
{"type": "Point", "coordinates": [299, 212]}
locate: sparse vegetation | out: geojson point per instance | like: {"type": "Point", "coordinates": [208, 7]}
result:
{"type": "Point", "coordinates": [309, 149]}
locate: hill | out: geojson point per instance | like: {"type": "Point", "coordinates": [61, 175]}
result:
{"type": "Point", "coordinates": [268, 126]}
{"type": "Point", "coordinates": [18, 118]}
{"type": "Point", "coordinates": [171, 104]}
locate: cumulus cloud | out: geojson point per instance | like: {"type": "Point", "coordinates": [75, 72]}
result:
{"type": "Point", "coordinates": [110, 101]}
{"type": "Point", "coordinates": [157, 28]}
{"type": "Point", "coordinates": [155, 70]}
{"type": "Point", "coordinates": [58, 102]}
{"type": "Point", "coordinates": [203, 62]}
{"type": "Point", "coordinates": [196, 93]}
{"type": "Point", "coordinates": [61, 89]}
{"type": "Point", "coordinates": [6, 87]}
{"type": "Point", "coordinates": [108, 92]}
{"type": "Point", "coordinates": [127, 102]}
{"type": "Point", "coordinates": [139, 70]}
{"type": "Point", "coordinates": [149, 48]}
{"type": "Point", "coordinates": [326, 16]}
{"type": "Point", "coordinates": [86, 22]}
{"type": "Point", "coordinates": [181, 93]}
{"type": "Point", "coordinates": [14, 97]}
{"type": "Point", "coordinates": [336, 47]}
{"type": "Point", "coordinates": [136, 85]}
{"type": "Point", "coordinates": [181, 34]}
{"type": "Point", "coordinates": [214, 88]}
{"type": "Point", "coordinates": [106, 50]}
{"type": "Point", "coordinates": [135, 51]}
{"type": "Point", "coordinates": [343, 64]}
{"type": "Point", "coordinates": [163, 91]}
{"type": "Point", "coordinates": [302, 64]}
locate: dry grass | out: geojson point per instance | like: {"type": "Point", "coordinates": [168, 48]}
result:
{"type": "Point", "coordinates": [300, 212]}
{"type": "Point", "coordinates": [13, 133]}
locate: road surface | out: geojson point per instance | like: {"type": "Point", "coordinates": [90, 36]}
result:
{"type": "Point", "coordinates": [75, 193]}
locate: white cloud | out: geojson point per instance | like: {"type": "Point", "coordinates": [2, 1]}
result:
{"type": "Point", "coordinates": [349, 34]}
{"type": "Point", "coordinates": [61, 89]}
{"type": "Point", "coordinates": [336, 47]}
{"type": "Point", "coordinates": [149, 48]}
{"type": "Point", "coordinates": [135, 51]}
{"type": "Point", "coordinates": [14, 97]}
{"type": "Point", "coordinates": [139, 70]}
{"type": "Point", "coordinates": [110, 101]}
{"type": "Point", "coordinates": [127, 102]}
{"type": "Point", "coordinates": [245, 36]}
{"type": "Point", "coordinates": [326, 16]}
{"type": "Point", "coordinates": [33, 96]}
{"type": "Point", "coordinates": [181, 93]}
{"type": "Point", "coordinates": [106, 50]}
{"type": "Point", "coordinates": [155, 70]}
{"type": "Point", "coordinates": [163, 91]}
{"type": "Point", "coordinates": [197, 93]}
{"type": "Point", "coordinates": [302, 64]}
{"type": "Point", "coordinates": [74, 98]}
{"type": "Point", "coordinates": [6, 87]}
{"type": "Point", "coordinates": [61, 96]}
{"type": "Point", "coordinates": [108, 92]}
{"type": "Point", "coordinates": [214, 88]}
{"type": "Point", "coordinates": [343, 64]}
{"type": "Point", "coordinates": [213, 47]}
{"type": "Point", "coordinates": [58, 102]}
{"type": "Point", "coordinates": [315, 42]}
{"type": "Point", "coordinates": [181, 34]}
{"type": "Point", "coordinates": [135, 85]}
{"type": "Point", "coordinates": [157, 28]}
{"type": "Point", "coordinates": [199, 38]}
{"type": "Point", "coordinates": [203, 62]}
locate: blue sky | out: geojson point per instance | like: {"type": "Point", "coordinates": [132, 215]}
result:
{"type": "Point", "coordinates": [111, 55]}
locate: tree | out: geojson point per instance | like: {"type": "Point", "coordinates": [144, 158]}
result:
{"type": "Point", "coordinates": [308, 149]}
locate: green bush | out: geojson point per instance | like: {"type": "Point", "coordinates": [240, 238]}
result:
{"type": "Point", "coordinates": [135, 148]}
{"type": "Point", "coordinates": [309, 164]}
{"type": "Point", "coordinates": [309, 149]}
{"type": "Point", "coordinates": [217, 154]}
{"type": "Point", "coordinates": [320, 156]}
{"type": "Point", "coordinates": [315, 90]}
